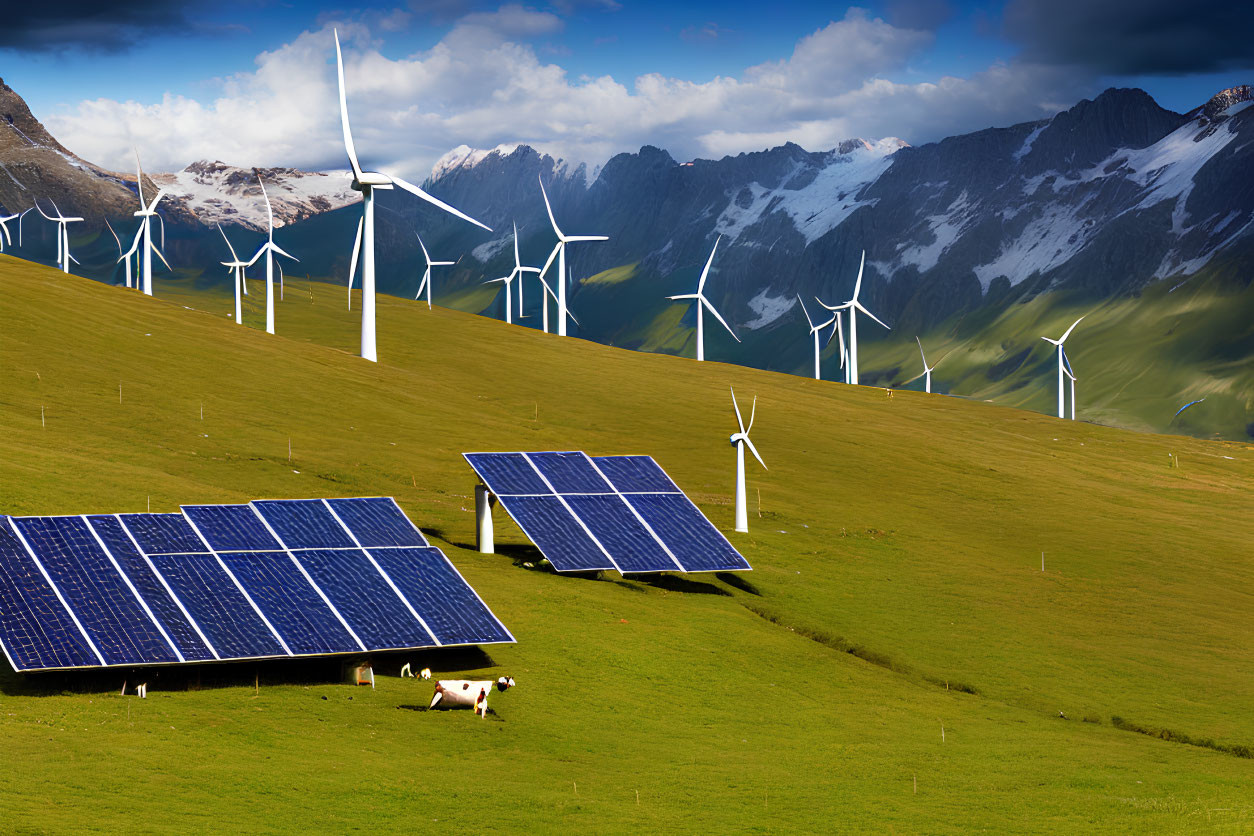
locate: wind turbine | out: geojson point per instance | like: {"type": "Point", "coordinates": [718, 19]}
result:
{"type": "Point", "coordinates": [853, 305]}
{"type": "Point", "coordinates": [703, 302]}
{"type": "Point", "coordinates": [144, 234]}
{"type": "Point", "coordinates": [516, 273]}
{"type": "Point", "coordinates": [4, 230]}
{"type": "Point", "coordinates": [741, 440]}
{"type": "Point", "coordinates": [927, 370]}
{"type": "Point", "coordinates": [814, 331]}
{"type": "Point", "coordinates": [119, 243]}
{"type": "Point", "coordinates": [1066, 362]}
{"type": "Point", "coordinates": [63, 236]}
{"type": "Point", "coordinates": [366, 182]}
{"type": "Point", "coordinates": [1058, 342]}
{"type": "Point", "coordinates": [237, 268]}
{"type": "Point", "coordinates": [426, 277]}
{"type": "Point", "coordinates": [559, 252]}
{"type": "Point", "coordinates": [269, 250]}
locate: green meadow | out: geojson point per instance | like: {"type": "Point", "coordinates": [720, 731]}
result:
{"type": "Point", "coordinates": [897, 661]}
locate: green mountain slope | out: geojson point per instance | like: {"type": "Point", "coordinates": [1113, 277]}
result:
{"type": "Point", "coordinates": [897, 590]}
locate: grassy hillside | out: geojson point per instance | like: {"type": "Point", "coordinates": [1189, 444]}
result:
{"type": "Point", "coordinates": [896, 661]}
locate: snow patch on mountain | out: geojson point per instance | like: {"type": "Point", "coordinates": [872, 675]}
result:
{"type": "Point", "coordinates": [822, 204]}
{"type": "Point", "coordinates": [463, 156]}
{"type": "Point", "coordinates": [945, 228]}
{"type": "Point", "coordinates": [768, 308]}
{"type": "Point", "coordinates": [1049, 240]}
{"type": "Point", "coordinates": [1031, 138]}
{"type": "Point", "coordinates": [219, 193]}
{"type": "Point", "coordinates": [486, 251]}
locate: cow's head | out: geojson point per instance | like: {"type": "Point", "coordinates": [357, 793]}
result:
{"type": "Point", "coordinates": [504, 682]}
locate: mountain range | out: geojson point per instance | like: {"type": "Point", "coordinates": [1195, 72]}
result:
{"type": "Point", "coordinates": [1110, 200]}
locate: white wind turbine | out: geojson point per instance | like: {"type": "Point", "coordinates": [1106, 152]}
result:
{"type": "Point", "coordinates": [741, 440]}
{"type": "Point", "coordinates": [814, 332]}
{"type": "Point", "coordinates": [120, 258]}
{"type": "Point", "coordinates": [4, 230]}
{"type": "Point", "coordinates": [144, 233]}
{"type": "Point", "coordinates": [927, 370]}
{"type": "Point", "coordinates": [853, 305]}
{"type": "Point", "coordinates": [269, 249]}
{"type": "Point", "coordinates": [426, 277]}
{"type": "Point", "coordinates": [516, 273]}
{"type": "Point", "coordinates": [237, 269]}
{"type": "Point", "coordinates": [1058, 342]}
{"type": "Point", "coordinates": [559, 252]}
{"type": "Point", "coordinates": [63, 236]}
{"type": "Point", "coordinates": [702, 302]}
{"type": "Point", "coordinates": [366, 182]}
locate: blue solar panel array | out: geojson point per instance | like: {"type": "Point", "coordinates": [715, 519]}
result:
{"type": "Point", "coordinates": [272, 578]}
{"type": "Point", "coordinates": [607, 512]}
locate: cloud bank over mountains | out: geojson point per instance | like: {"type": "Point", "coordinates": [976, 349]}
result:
{"type": "Point", "coordinates": [485, 83]}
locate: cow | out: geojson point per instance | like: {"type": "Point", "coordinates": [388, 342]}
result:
{"type": "Point", "coordinates": [467, 693]}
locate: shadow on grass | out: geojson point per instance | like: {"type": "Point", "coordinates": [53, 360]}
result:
{"type": "Point", "coordinates": [675, 583]}
{"type": "Point", "coordinates": [247, 674]}
{"type": "Point", "coordinates": [738, 582]}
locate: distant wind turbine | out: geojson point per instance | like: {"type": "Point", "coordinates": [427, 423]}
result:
{"type": "Point", "coordinates": [516, 273]}
{"type": "Point", "coordinates": [703, 302]}
{"type": "Point", "coordinates": [237, 270]}
{"type": "Point", "coordinates": [1058, 342]}
{"type": "Point", "coordinates": [814, 332]}
{"type": "Point", "coordinates": [143, 236]}
{"type": "Point", "coordinates": [741, 440]}
{"type": "Point", "coordinates": [927, 370]}
{"type": "Point", "coordinates": [63, 236]}
{"type": "Point", "coordinates": [426, 277]}
{"type": "Point", "coordinates": [4, 230]}
{"type": "Point", "coordinates": [269, 249]}
{"type": "Point", "coordinates": [366, 182]}
{"type": "Point", "coordinates": [559, 252]}
{"type": "Point", "coordinates": [853, 306]}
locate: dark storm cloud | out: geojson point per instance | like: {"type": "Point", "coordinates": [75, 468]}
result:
{"type": "Point", "coordinates": [918, 14]}
{"type": "Point", "coordinates": [103, 25]}
{"type": "Point", "coordinates": [1133, 37]}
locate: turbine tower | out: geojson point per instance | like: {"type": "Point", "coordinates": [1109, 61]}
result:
{"type": "Point", "coordinates": [702, 302]}
{"type": "Point", "coordinates": [63, 236]}
{"type": "Point", "coordinates": [741, 440]}
{"type": "Point", "coordinates": [426, 277]}
{"type": "Point", "coordinates": [146, 212]}
{"type": "Point", "coordinates": [559, 252]}
{"type": "Point", "coordinates": [1058, 342]}
{"type": "Point", "coordinates": [237, 269]}
{"type": "Point", "coordinates": [269, 249]}
{"type": "Point", "coordinates": [814, 332]}
{"type": "Point", "coordinates": [927, 370]}
{"type": "Point", "coordinates": [1066, 362]}
{"type": "Point", "coordinates": [119, 243]}
{"type": "Point", "coordinates": [853, 305]}
{"type": "Point", "coordinates": [366, 182]}
{"type": "Point", "coordinates": [516, 273]}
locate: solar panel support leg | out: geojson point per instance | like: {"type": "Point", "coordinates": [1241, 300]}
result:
{"type": "Point", "coordinates": [484, 500]}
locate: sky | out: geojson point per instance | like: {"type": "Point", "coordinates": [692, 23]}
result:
{"type": "Point", "coordinates": [252, 82]}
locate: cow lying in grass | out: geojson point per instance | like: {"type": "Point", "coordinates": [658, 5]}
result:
{"type": "Point", "coordinates": [467, 693]}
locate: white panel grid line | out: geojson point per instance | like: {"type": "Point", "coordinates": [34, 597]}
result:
{"type": "Point", "coordinates": [118, 568]}
{"type": "Point", "coordinates": [40, 566]}
{"type": "Point", "coordinates": [384, 575]}
{"type": "Point", "coordinates": [242, 590]}
{"type": "Point", "coordinates": [575, 516]}
{"type": "Point", "coordinates": [169, 589]}
{"type": "Point", "coordinates": [641, 519]}
{"type": "Point", "coordinates": [309, 578]}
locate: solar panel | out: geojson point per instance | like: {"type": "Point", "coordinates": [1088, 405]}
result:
{"type": "Point", "coordinates": [620, 512]}
{"type": "Point", "coordinates": [267, 579]}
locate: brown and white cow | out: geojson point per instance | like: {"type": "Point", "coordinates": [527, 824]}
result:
{"type": "Point", "coordinates": [467, 693]}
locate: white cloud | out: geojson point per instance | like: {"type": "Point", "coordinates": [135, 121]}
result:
{"type": "Point", "coordinates": [481, 86]}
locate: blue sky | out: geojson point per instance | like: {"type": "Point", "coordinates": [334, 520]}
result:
{"type": "Point", "coordinates": [244, 70]}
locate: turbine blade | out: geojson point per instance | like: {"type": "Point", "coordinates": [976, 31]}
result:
{"type": "Point", "coordinates": [858, 305]}
{"type": "Point", "coordinates": [348, 135]}
{"type": "Point", "coordinates": [1048, 340]}
{"type": "Point", "coordinates": [352, 264]}
{"type": "Point", "coordinates": [685, 296]}
{"type": "Point", "coordinates": [1063, 338]}
{"type": "Point", "coordinates": [753, 412]}
{"type": "Point", "coordinates": [269, 211]}
{"type": "Point", "coordinates": [549, 208]}
{"type": "Point", "coordinates": [809, 321]}
{"type": "Point", "coordinates": [739, 421]}
{"type": "Point", "coordinates": [549, 262]}
{"type": "Point", "coordinates": [719, 317]}
{"type": "Point", "coordinates": [708, 262]}
{"type": "Point", "coordinates": [139, 179]}
{"type": "Point", "coordinates": [857, 287]}
{"type": "Point", "coordinates": [160, 194]}
{"type": "Point", "coordinates": [570, 238]}
{"type": "Point", "coordinates": [158, 217]}
{"type": "Point", "coordinates": [280, 251]}
{"type": "Point", "coordinates": [754, 451]}
{"type": "Point", "coordinates": [158, 254]}
{"type": "Point", "coordinates": [412, 189]}
{"type": "Point", "coordinates": [517, 258]}
{"type": "Point", "coordinates": [111, 232]}
{"type": "Point", "coordinates": [425, 256]}
{"type": "Point", "coordinates": [234, 257]}
{"type": "Point", "coordinates": [920, 342]}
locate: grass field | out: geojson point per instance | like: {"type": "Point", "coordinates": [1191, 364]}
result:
{"type": "Point", "coordinates": [897, 660]}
